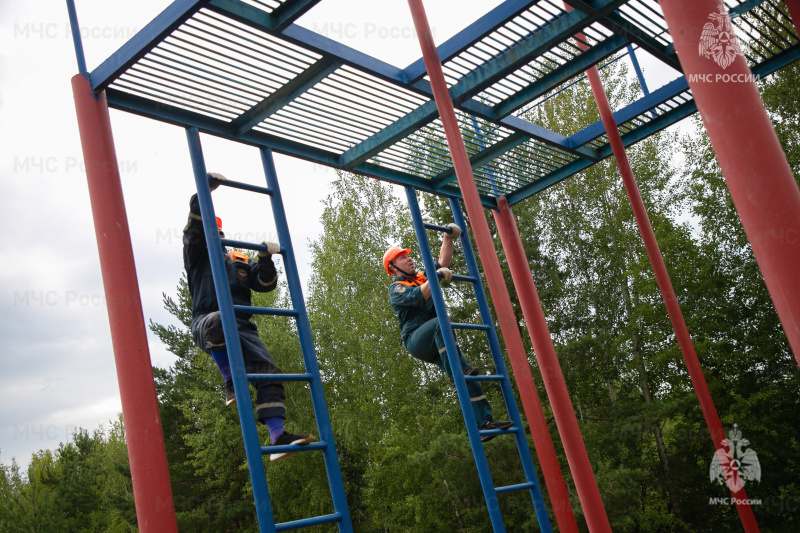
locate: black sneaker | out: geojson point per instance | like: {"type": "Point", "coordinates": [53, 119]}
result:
{"type": "Point", "coordinates": [289, 438]}
{"type": "Point", "coordinates": [494, 424]}
{"type": "Point", "coordinates": [230, 395]}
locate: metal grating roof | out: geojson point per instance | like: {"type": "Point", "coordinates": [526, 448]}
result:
{"type": "Point", "coordinates": [242, 69]}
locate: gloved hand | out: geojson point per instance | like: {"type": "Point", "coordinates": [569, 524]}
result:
{"type": "Point", "coordinates": [456, 230]}
{"type": "Point", "coordinates": [446, 273]}
{"type": "Point", "coordinates": [215, 176]}
{"type": "Point", "coordinates": [272, 248]}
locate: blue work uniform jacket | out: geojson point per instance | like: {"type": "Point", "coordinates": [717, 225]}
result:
{"type": "Point", "coordinates": [411, 307]}
{"type": "Point", "coordinates": [243, 275]}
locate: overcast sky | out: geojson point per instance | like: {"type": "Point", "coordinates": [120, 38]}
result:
{"type": "Point", "coordinates": [57, 369]}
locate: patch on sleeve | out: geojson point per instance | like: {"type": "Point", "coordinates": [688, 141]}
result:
{"type": "Point", "coordinates": [399, 288]}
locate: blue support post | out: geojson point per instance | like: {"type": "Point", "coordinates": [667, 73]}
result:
{"type": "Point", "coordinates": [76, 38]}
{"type": "Point", "coordinates": [252, 446]}
{"type": "Point", "coordinates": [640, 75]}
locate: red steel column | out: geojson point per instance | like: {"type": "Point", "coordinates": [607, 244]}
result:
{"type": "Point", "coordinates": [527, 388]}
{"type": "Point", "coordinates": [756, 171]}
{"type": "Point", "coordinates": [794, 12]}
{"type": "Point", "coordinates": [553, 378]}
{"type": "Point", "coordinates": [667, 290]}
{"type": "Point", "coordinates": [155, 510]}
{"type": "Point", "coordinates": [556, 489]}
{"type": "Point", "coordinates": [573, 444]}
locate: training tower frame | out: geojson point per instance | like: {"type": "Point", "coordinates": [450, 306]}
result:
{"type": "Point", "coordinates": [453, 124]}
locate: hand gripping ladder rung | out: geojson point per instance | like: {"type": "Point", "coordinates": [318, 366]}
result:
{"type": "Point", "coordinates": [489, 490]}
{"type": "Point", "coordinates": [253, 449]}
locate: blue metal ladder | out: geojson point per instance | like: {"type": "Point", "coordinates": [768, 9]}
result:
{"type": "Point", "coordinates": [253, 449]}
{"type": "Point", "coordinates": [490, 492]}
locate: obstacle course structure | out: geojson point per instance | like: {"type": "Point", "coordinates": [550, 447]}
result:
{"type": "Point", "coordinates": [246, 71]}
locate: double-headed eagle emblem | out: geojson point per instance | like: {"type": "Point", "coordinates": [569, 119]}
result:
{"type": "Point", "coordinates": [718, 40]}
{"type": "Point", "coordinates": [737, 465]}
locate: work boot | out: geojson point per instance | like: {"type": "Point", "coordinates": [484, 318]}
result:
{"type": "Point", "coordinates": [230, 394]}
{"type": "Point", "coordinates": [494, 424]}
{"type": "Point", "coordinates": [286, 438]}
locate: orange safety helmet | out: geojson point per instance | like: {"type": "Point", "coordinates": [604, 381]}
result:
{"type": "Point", "coordinates": [391, 254]}
{"type": "Point", "coordinates": [219, 222]}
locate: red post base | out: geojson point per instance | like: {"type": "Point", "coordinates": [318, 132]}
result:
{"type": "Point", "coordinates": [155, 511]}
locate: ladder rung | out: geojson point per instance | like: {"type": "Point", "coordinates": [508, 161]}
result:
{"type": "Point", "coordinates": [512, 488]}
{"type": "Point", "coordinates": [443, 229]}
{"type": "Point", "coordinates": [457, 325]}
{"type": "Point", "coordinates": [459, 277]}
{"type": "Point", "coordinates": [308, 522]}
{"type": "Point", "coordinates": [264, 310]}
{"type": "Point", "coordinates": [491, 377]}
{"type": "Point", "coordinates": [280, 377]}
{"type": "Point", "coordinates": [310, 447]}
{"type": "Point", "coordinates": [244, 186]}
{"type": "Point", "coordinates": [245, 245]}
{"type": "Point", "coordinates": [512, 429]}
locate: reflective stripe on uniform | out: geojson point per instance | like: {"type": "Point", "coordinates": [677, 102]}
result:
{"type": "Point", "coordinates": [268, 405]}
{"type": "Point", "coordinates": [269, 282]}
{"type": "Point", "coordinates": [479, 398]}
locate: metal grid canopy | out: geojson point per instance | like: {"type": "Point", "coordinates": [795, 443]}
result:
{"type": "Point", "coordinates": [242, 69]}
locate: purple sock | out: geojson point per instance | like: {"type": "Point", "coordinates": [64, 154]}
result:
{"type": "Point", "coordinates": [275, 426]}
{"type": "Point", "coordinates": [221, 359]}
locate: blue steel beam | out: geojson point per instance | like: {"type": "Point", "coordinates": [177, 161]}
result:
{"type": "Point", "coordinates": [289, 11]}
{"type": "Point", "coordinates": [556, 77]}
{"type": "Point", "coordinates": [666, 54]}
{"type": "Point", "coordinates": [180, 117]}
{"type": "Point", "coordinates": [639, 107]}
{"type": "Point", "coordinates": [494, 70]}
{"type": "Point", "coordinates": [671, 90]}
{"type": "Point", "coordinates": [338, 52]}
{"type": "Point", "coordinates": [280, 18]}
{"type": "Point", "coordinates": [285, 95]}
{"type": "Point", "coordinates": [620, 26]}
{"type": "Point", "coordinates": [643, 105]}
{"type": "Point", "coordinates": [470, 35]}
{"type": "Point", "coordinates": [481, 158]}
{"type": "Point", "coordinates": [537, 44]}
{"type": "Point", "coordinates": [144, 41]}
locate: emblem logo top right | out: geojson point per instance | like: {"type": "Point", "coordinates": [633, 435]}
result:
{"type": "Point", "coordinates": [718, 40]}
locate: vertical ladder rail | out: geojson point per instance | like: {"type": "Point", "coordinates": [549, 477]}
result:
{"type": "Point", "coordinates": [497, 355]}
{"type": "Point", "coordinates": [252, 446]}
{"type": "Point", "coordinates": [481, 463]}
{"type": "Point", "coordinates": [318, 402]}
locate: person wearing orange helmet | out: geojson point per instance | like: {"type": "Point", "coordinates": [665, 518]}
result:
{"type": "Point", "coordinates": [410, 297]}
{"type": "Point", "coordinates": [243, 276]}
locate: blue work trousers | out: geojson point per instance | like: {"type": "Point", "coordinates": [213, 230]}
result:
{"type": "Point", "coordinates": [427, 344]}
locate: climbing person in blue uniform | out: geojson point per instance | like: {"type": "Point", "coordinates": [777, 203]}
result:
{"type": "Point", "coordinates": [410, 296]}
{"type": "Point", "coordinates": [243, 276]}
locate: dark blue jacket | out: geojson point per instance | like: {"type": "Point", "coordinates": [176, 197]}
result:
{"type": "Point", "coordinates": [243, 276]}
